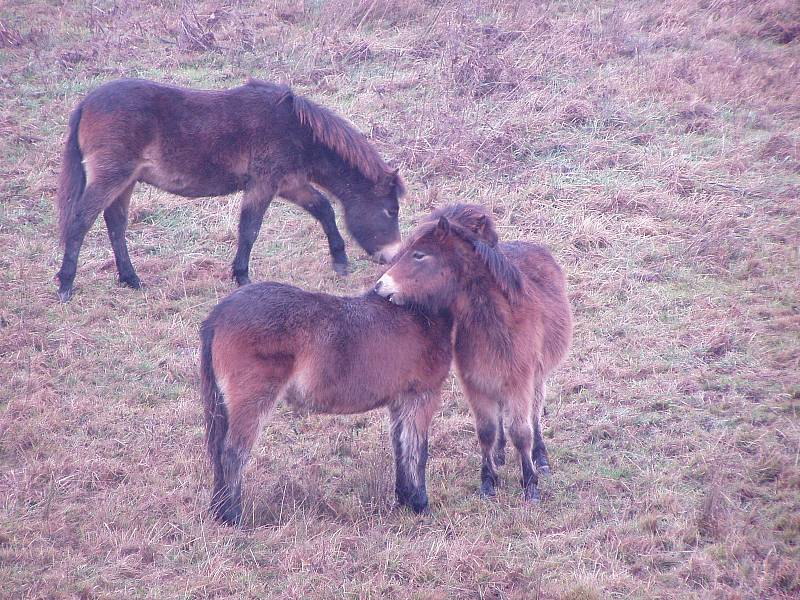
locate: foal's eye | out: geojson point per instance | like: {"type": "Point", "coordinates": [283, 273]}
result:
{"type": "Point", "coordinates": [389, 213]}
{"type": "Point", "coordinates": [418, 255]}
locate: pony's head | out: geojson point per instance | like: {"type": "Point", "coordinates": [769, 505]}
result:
{"type": "Point", "coordinates": [371, 212]}
{"type": "Point", "coordinates": [450, 251]}
{"type": "Point", "coordinates": [350, 167]}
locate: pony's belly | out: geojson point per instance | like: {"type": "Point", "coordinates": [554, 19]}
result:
{"type": "Point", "coordinates": [329, 399]}
{"type": "Point", "coordinates": [191, 183]}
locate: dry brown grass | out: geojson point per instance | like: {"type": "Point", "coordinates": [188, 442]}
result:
{"type": "Point", "coordinates": [652, 146]}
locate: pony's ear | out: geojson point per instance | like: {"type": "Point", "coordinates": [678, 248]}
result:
{"type": "Point", "coordinates": [391, 181]}
{"type": "Point", "coordinates": [442, 228]}
{"type": "Point", "coordinates": [480, 225]}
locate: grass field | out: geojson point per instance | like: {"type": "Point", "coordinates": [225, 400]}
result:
{"type": "Point", "coordinates": [654, 147]}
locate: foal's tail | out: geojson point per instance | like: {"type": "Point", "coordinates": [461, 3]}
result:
{"type": "Point", "coordinates": [72, 180]}
{"type": "Point", "coordinates": [215, 411]}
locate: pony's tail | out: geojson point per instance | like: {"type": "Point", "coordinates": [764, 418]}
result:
{"type": "Point", "coordinates": [214, 406]}
{"type": "Point", "coordinates": [72, 180]}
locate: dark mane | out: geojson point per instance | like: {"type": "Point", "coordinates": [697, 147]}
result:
{"type": "Point", "coordinates": [474, 225]}
{"type": "Point", "coordinates": [503, 271]}
{"type": "Point", "coordinates": [340, 136]}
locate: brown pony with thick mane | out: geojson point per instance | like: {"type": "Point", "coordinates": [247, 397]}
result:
{"type": "Point", "coordinates": [270, 342]}
{"type": "Point", "coordinates": [259, 138]}
{"type": "Point", "coordinates": [512, 320]}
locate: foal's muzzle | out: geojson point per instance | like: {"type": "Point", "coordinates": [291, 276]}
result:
{"type": "Point", "coordinates": [387, 288]}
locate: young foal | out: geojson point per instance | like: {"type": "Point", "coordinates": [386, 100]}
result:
{"type": "Point", "coordinates": [512, 325]}
{"type": "Point", "coordinates": [269, 342]}
{"type": "Point", "coordinates": [259, 138]}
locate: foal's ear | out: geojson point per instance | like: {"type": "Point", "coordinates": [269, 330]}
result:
{"type": "Point", "coordinates": [484, 229]}
{"type": "Point", "coordinates": [442, 228]}
{"type": "Point", "coordinates": [480, 225]}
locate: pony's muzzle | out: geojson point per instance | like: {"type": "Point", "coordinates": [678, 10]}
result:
{"type": "Point", "coordinates": [387, 253]}
{"type": "Point", "coordinates": [386, 287]}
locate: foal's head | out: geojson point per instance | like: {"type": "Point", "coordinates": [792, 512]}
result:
{"type": "Point", "coordinates": [453, 251]}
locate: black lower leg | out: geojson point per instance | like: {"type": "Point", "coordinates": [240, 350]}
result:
{"type": "Point", "coordinates": [530, 481]}
{"type": "Point", "coordinates": [116, 218]}
{"type": "Point", "coordinates": [226, 499]}
{"type": "Point", "coordinates": [411, 457]}
{"type": "Point", "coordinates": [487, 432]}
{"type": "Point", "coordinates": [522, 436]}
{"type": "Point", "coordinates": [252, 215]}
{"type": "Point", "coordinates": [500, 445]}
{"type": "Point", "coordinates": [539, 453]}
{"type": "Point", "coordinates": [322, 211]}
{"type": "Point", "coordinates": [76, 232]}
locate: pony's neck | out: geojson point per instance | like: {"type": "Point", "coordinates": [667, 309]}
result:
{"type": "Point", "coordinates": [481, 315]}
{"type": "Point", "coordinates": [337, 176]}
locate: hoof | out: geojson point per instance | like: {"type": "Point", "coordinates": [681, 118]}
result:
{"type": "Point", "coordinates": [421, 509]}
{"type": "Point", "coordinates": [543, 469]}
{"type": "Point", "coordinates": [417, 503]}
{"type": "Point", "coordinates": [65, 294]}
{"type": "Point", "coordinates": [531, 495]}
{"type": "Point", "coordinates": [132, 282]}
{"type": "Point", "coordinates": [488, 490]}
{"type": "Point", "coordinates": [227, 516]}
{"type": "Point", "coordinates": [500, 459]}
{"type": "Point", "coordinates": [341, 269]}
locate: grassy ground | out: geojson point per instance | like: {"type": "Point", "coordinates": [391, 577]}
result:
{"type": "Point", "coordinates": [653, 146]}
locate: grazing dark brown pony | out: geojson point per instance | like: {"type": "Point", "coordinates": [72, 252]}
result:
{"type": "Point", "coordinates": [512, 322]}
{"type": "Point", "coordinates": [270, 342]}
{"type": "Point", "coordinates": [259, 138]}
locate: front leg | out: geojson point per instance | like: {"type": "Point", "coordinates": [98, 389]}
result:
{"type": "Point", "coordinates": [500, 444]}
{"type": "Point", "coordinates": [255, 202]}
{"type": "Point", "coordinates": [539, 453]}
{"type": "Point", "coordinates": [488, 421]}
{"type": "Point", "coordinates": [308, 198]}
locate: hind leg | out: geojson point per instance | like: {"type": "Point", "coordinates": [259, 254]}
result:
{"type": "Point", "coordinates": [410, 421]}
{"type": "Point", "coordinates": [539, 453]}
{"type": "Point", "coordinates": [245, 412]}
{"type": "Point", "coordinates": [98, 194]}
{"type": "Point", "coordinates": [116, 217]}
{"type": "Point", "coordinates": [521, 434]}
{"type": "Point", "coordinates": [255, 202]}
{"type": "Point", "coordinates": [304, 195]}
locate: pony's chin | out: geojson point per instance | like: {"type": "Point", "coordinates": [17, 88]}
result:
{"type": "Point", "coordinates": [396, 299]}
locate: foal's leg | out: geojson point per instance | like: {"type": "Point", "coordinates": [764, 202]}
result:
{"type": "Point", "coordinates": [102, 189]}
{"type": "Point", "coordinates": [318, 206]}
{"type": "Point", "coordinates": [539, 453]}
{"type": "Point", "coordinates": [255, 202]}
{"type": "Point", "coordinates": [116, 217]}
{"type": "Point", "coordinates": [410, 421]}
{"type": "Point", "coordinates": [521, 434]}
{"type": "Point", "coordinates": [245, 403]}
{"type": "Point", "coordinates": [500, 444]}
{"type": "Point", "coordinates": [486, 411]}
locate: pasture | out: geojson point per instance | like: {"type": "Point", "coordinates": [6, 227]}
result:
{"type": "Point", "coordinates": [653, 147]}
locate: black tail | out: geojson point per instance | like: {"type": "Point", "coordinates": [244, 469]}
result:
{"type": "Point", "coordinates": [72, 180]}
{"type": "Point", "coordinates": [215, 411]}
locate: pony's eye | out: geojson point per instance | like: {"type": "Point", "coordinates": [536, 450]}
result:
{"type": "Point", "coordinates": [389, 213]}
{"type": "Point", "coordinates": [418, 255]}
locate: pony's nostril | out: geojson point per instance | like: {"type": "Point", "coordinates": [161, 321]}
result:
{"type": "Point", "coordinates": [381, 259]}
